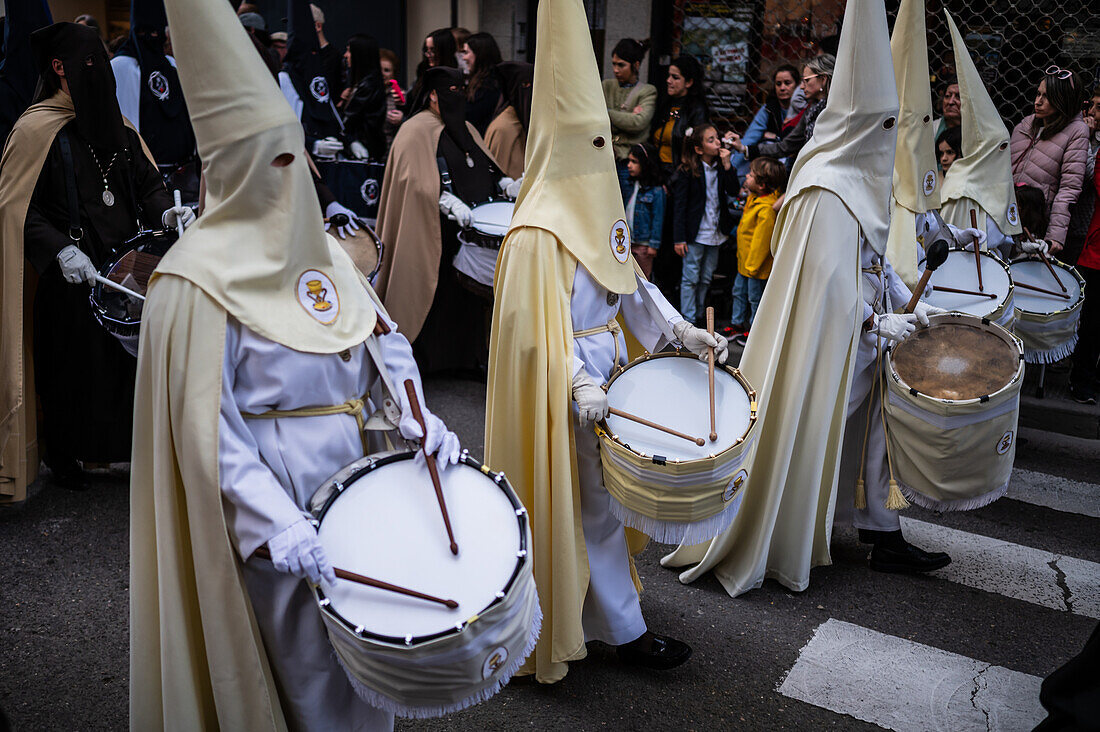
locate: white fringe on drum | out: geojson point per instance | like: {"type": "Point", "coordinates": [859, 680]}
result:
{"type": "Point", "coordinates": [1051, 355]}
{"type": "Point", "coordinates": [959, 504]}
{"type": "Point", "coordinates": [386, 704]}
{"type": "Point", "coordinates": [678, 532]}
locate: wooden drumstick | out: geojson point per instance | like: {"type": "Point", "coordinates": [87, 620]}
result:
{"type": "Point", "coordinates": [1046, 261]}
{"type": "Point", "coordinates": [936, 255]}
{"type": "Point", "coordinates": [668, 430]}
{"type": "Point", "coordinates": [1052, 293]}
{"type": "Point", "coordinates": [433, 469]}
{"type": "Point", "coordinates": [710, 373]}
{"type": "Point", "coordinates": [957, 291]}
{"type": "Point", "coordinates": [977, 252]}
{"type": "Point", "coordinates": [264, 553]}
{"type": "Point", "coordinates": [380, 327]}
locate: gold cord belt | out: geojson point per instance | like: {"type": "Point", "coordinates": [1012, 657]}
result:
{"type": "Point", "coordinates": [611, 327]}
{"type": "Point", "coordinates": [353, 407]}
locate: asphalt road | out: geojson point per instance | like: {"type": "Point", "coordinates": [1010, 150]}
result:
{"type": "Point", "coordinates": [64, 614]}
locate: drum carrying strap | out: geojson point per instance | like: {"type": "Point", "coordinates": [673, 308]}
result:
{"type": "Point", "coordinates": [612, 327]}
{"type": "Point", "coordinates": [76, 232]}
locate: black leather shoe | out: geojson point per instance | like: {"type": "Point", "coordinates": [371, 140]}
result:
{"type": "Point", "coordinates": [905, 558]}
{"type": "Point", "coordinates": [654, 651]}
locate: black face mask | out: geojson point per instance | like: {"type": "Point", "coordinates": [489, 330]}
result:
{"type": "Point", "coordinates": [447, 85]}
{"type": "Point", "coordinates": [517, 78]}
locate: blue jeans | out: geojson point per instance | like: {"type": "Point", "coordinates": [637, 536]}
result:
{"type": "Point", "coordinates": [626, 185]}
{"type": "Point", "coordinates": [699, 264]}
{"type": "Point", "coordinates": [747, 292]}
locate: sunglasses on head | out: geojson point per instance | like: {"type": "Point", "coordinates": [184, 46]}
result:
{"type": "Point", "coordinates": [1060, 73]}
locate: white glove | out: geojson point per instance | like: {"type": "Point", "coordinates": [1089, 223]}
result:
{"type": "Point", "coordinates": [1034, 247]}
{"type": "Point", "coordinates": [297, 551]}
{"type": "Point", "coordinates": [347, 229]}
{"type": "Point", "coordinates": [923, 310]}
{"type": "Point", "coordinates": [327, 148]}
{"type": "Point", "coordinates": [455, 209]}
{"type": "Point", "coordinates": [75, 265]}
{"type": "Point", "coordinates": [440, 441]}
{"type": "Point", "coordinates": [698, 341]}
{"type": "Point", "coordinates": [504, 182]}
{"type": "Point", "coordinates": [177, 213]}
{"type": "Point", "coordinates": [512, 191]}
{"type": "Point", "coordinates": [894, 326]}
{"type": "Point", "coordinates": [967, 237]}
{"type": "Point", "coordinates": [359, 150]}
{"type": "Point", "coordinates": [590, 398]}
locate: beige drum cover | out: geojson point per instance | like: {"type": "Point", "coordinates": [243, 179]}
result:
{"type": "Point", "coordinates": [954, 454]}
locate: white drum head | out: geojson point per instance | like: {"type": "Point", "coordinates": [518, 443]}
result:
{"type": "Point", "coordinates": [494, 218]}
{"type": "Point", "coordinates": [387, 525]}
{"type": "Point", "coordinates": [1035, 273]}
{"type": "Point", "coordinates": [961, 273]}
{"type": "Point", "coordinates": [673, 392]}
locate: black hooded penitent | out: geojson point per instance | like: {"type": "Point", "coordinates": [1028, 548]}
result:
{"type": "Point", "coordinates": [307, 72]}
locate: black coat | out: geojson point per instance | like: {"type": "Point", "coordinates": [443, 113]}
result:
{"type": "Point", "coordinates": [365, 116]}
{"type": "Point", "coordinates": [689, 198]}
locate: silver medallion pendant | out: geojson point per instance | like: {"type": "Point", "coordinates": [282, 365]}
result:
{"type": "Point", "coordinates": [108, 198]}
{"type": "Point", "coordinates": [469, 161]}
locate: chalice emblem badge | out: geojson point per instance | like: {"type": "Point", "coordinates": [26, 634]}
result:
{"type": "Point", "coordinates": [494, 661]}
{"type": "Point", "coordinates": [318, 294]}
{"type": "Point", "coordinates": [620, 237]}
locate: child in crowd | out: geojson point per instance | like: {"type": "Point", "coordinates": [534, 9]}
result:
{"type": "Point", "coordinates": [1032, 205]}
{"type": "Point", "coordinates": [645, 206]}
{"type": "Point", "coordinates": [703, 194]}
{"type": "Point", "coordinates": [765, 183]}
{"type": "Point", "coordinates": [948, 148]}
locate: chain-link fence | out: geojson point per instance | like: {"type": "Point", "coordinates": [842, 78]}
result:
{"type": "Point", "coordinates": [740, 42]}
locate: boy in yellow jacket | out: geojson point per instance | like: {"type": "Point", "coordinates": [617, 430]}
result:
{"type": "Point", "coordinates": [765, 183]}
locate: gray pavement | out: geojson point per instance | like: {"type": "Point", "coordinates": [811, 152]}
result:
{"type": "Point", "coordinates": [64, 614]}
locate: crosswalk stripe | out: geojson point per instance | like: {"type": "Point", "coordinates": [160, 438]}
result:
{"type": "Point", "coordinates": [1052, 491]}
{"type": "Point", "coordinates": [907, 686]}
{"type": "Point", "coordinates": [1012, 570]}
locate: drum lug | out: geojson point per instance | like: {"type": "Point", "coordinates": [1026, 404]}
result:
{"type": "Point", "coordinates": [521, 553]}
{"type": "Point", "coordinates": [325, 602]}
{"type": "Point", "coordinates": [460, 627]}
{"type": "Point", "coordinates": [408, 640]}
{"type": "Point", "coordinates": [500, 594]}
{"type": "Point", "coordinates": [314, 523]}
{"type": "Point", "coordinates": [338, 487]}
{"type": "Point", "coordinates": [359, 630]}
{"type": "Point", "coordinates": [521, 511]}
{"type": "Point", "coordinates": [498, 478]}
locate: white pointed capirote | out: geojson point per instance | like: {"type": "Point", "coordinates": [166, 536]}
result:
{"type": "Point", "coordinates": [260, 248]}
{"type": "Point", "coordinates": [851, 152]}
{"type": "Point", "coordinates": [982, 178]}
{"type": "Point", "coordinates": [570, 186]}
{"type": "Point", "coordinates": [916, 182]}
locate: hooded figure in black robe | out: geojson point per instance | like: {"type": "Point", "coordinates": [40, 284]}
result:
{"type": "Point", "coordinates": [305, 66]}
{"type": "Point", "coordinates": [18, 76]}
{"type": "Point", "coordinates": [85, 380]}
{"type": "Point", "coordinates": [140, 65]}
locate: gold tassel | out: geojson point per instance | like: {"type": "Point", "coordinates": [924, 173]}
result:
{"type": "Point", "coordinates": [895, 501]}
{"type": "Point", "coordinates": [861, 495]}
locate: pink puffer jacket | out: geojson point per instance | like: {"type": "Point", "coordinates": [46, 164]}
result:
{"type": "Point", "coordinates": [1055, 166]}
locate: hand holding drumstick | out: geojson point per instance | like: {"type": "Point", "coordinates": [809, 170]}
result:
{"type": "Point", "coordinates": [432, 443]}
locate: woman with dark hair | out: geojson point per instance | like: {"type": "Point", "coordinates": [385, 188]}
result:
{"type": "Point", "coordinates": [481, 56]}
{"type": "Point", "coordinates": [630, 104]}
{"type": "Point", "coordinates": [365, 99]}
{"type": "Point", "coordinates": [439, 50]}
{"type": "Point", "coordinates": [777, 116]}
{"type": "Point", "coordinates": [1050, 147]}
{"type": "Point", "coordinates": [948, 148]}
{"type": "Point", "coordinates": [681, 109]}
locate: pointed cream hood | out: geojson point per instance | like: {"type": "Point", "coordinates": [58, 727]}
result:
{"type": "Point", "coordinates": [570, 187]}
{"type": "Point", "coordinates": [851, 152]}
{"type": "Point", "coordinates": [984, 172]}
{"type": "Point", "coordinates": [916, 184]}
{"type": "Point", "coordinates": [260, 248]}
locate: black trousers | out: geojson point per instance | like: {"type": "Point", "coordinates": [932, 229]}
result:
{"type": "Point", "coordinates": [1087, 352]}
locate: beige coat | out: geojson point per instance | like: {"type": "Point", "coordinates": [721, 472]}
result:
{"type": "Point", "coordinates": [507, 141]}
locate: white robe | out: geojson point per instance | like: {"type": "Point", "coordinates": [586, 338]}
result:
{"type": "Point", "coordinates": [611, 612]}
{"type": "Point", "coordinates": [269, 470]}
{"type": "Point", "coordinates": [128, 87]}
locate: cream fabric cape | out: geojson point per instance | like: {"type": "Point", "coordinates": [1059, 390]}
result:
{"type": "Point", "coordinates": [916, 183]}
{"type": "Point", "coordinates": [408, 221]}
{"type": "Point", "coordinates": [24, 155]}
{"type": "Point", "coordinates": [197, 660]}
{"type": "Point", "coordinates": [507, 140]}
{"type": "Point", "coordinates": [982, 178]}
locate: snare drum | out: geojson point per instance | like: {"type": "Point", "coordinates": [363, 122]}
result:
{"type": "Point", "coordinates": [365, 249]}
{"type": "Point", "coordinates": [668, 487]}
{"type": "Point", "coordinates": [1047, 323]}
{"type": "Point", "coordinates": [953, 401]}
{"type": "Point", "coordinates": [477, 256]}
{"type": "Point", "coordinates": [117, 312]}
{"type": "Point", "coordinates": [960, 272]}
{"type": "Point", "coordinates": [356, 184]}
{"type": "Point", "coordinates": [379, 517]}
{"type": "Point", "coordinates": [490, 223]}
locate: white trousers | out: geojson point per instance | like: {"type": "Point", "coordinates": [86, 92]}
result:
{"type": "Point", "coordinates": [611, 612]}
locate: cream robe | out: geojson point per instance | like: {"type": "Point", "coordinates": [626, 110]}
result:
{"type": "Point", "coordinates": [801, 358]}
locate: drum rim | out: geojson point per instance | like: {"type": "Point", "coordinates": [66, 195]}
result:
{"type": "Point", "coordinates": [522, 555]}
{"type": "Point", "coordinates": [1055, 263]}
{"type": "Point", "coordinates": [110, 323]}
{"type": "Point", "coordinates": [935, 320]}
{"type": "Point", "coordinates": [493, 200]}
{"type": "Point", "coordinates": [604, 430]}
{"type": "Point", "coordinates": [1010, 295]}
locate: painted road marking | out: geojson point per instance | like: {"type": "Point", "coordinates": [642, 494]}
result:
{"type": "Point", "coordinates": [1012, 570]}
{"type": "Point", "coordinates": [1052, 491]}
{"type": "Point", "coordinates": [906, 686]}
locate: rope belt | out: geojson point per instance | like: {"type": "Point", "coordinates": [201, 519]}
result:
{"type": "Point", "coordinates": [353, 407]}
{"type": "Point", "coordinates": [612, 327]}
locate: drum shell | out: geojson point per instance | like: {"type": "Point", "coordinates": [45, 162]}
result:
{"type": "Point", "coordinates": [953, 455]}
{"type": "Point", "coordinates": [1050, 337]}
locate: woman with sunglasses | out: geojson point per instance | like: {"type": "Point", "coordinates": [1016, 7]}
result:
{"type": "Point", "coordinates": [1050, 147]}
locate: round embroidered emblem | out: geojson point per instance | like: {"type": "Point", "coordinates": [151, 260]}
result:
{"type": "Point", "coordinates": [318, 296]}
{"type": "Point", "coordinates": [1013, 214]}
{"type": "Point", "coordinates": [370, 191]}
{"type": "Point", "coordinates": [158, 85]}
{"type": "Point", "coordinates": [318, 87]}
{"type": "Point", "coordinates": [929, 182]}
{"type": "Point", "coordinates": [620, 241]}
{"type": "Point", "coordinates": [1004, 443]}
{"type": "Point", "coordinates": [494, 662]}
{"type": "Point", "coordinates": [735, 485]}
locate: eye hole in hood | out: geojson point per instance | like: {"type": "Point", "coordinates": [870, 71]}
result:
{"type": "Point", "coordinates": [283, 160]}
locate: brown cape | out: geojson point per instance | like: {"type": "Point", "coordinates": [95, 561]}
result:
{"type": "Point", "coordinates": [24, 155]}
{"type": "Point", "coordinates": [507, 141]}
{"type": "Point", "coordinates": [408, 221]}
